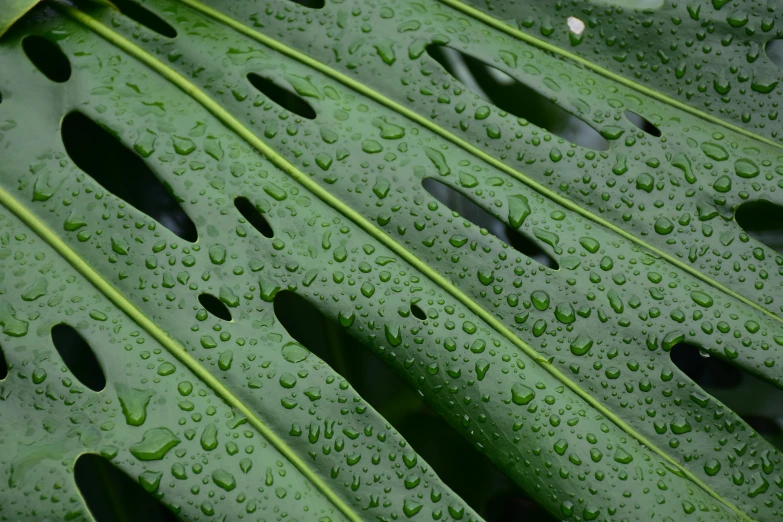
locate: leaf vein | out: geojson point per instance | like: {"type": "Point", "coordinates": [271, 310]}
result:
{"type": "Point", "coordinates": [236, 126]}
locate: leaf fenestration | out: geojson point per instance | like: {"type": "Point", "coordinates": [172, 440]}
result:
{"type": "Point", "coordinates": [515, 356]}
{"type": "Point", "coordinates": [3, 365]}
{"type": "Point", "coordinates": [283, 97]}
{"type": "Point", "coordinates": [763, 221]}
{"type": "Point", "coordinates": [111, 495]}
{"type": "Point", "coordinates": [125, 174]}
{"type": "Point", "coordinates": [78, 356]}
{"type": "Point", "coordinates": [507, 230]}
{"type": "Point", "coordinates": [47, 57]}
{"type": "Point", "coordinates": [145, 17]}
{"type": "Point", "coordinates": [215, 306]}
{"type": "Point", "coordinates": [515, 97]}
{"type": "Point", "coordinates": [253, 216]}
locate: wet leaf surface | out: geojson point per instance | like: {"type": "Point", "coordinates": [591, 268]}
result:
{"type": "Point", "coordinates": [561, 377]}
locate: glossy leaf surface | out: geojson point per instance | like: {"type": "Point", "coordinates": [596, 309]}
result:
{"type": "Point", "coordinates": [562, 377]}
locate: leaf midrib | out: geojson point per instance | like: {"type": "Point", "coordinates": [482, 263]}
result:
{"type": "Point", "coordinates": [176, 349]}
{"type": "Point", "coordinates": [546, 46]}
{"type": "Point", "coordinates": [118, 299]}
{"type": "Point", "coordinates": [432, 126]}
{"type": "Point", "coordinates": [235, 125]}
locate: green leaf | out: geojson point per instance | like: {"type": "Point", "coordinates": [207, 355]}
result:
{"type": "Point", "coordinates": [12, 11]}
{"type": "Point", "coordinates": [562, 377]}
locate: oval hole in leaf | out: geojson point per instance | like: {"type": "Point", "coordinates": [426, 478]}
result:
{"type": "Point", "coordinates": [78, 357]}
{"type": "Point", "coordinates": [3, 365]}
{"type": "Point", "coordinates": [704, 371]}
{"type": "Point", "coordinates": [99, 153]}
{"type": "Point", "coordinates": [774, 50]}
{"type": "Point", "coordinates": [418, 313]}
{"type": "Point", "coordinates": [312, 4]}
{"type": "Point", "coordinates": [47, 57]}
{"type": "Point", "coordinates": [253, 216]}
{"type": "Point", "coordinates": [215, 306]}
{"type": "Point", "coordinates": [145, 17]}
{"type": "Point", "coordinates": [756, 401]}
{"type": "Point", "coordinates": [379, 385]}
{"type": "Point", "coordinates": [643, 124]}
{"type": "Point", "coordinates": [288, 100]}
{"type": "Point", "coordinates": [472, 212]}
{"type": "Point", "coordinates": [111, 495]}
{"type": "Point", "coordinates": [510, 95]}
{"type": "Point", "coordinates": [763, 221]}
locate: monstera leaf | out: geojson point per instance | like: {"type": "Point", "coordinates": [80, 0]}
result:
{"type": "Point", "coordinates": [278, 149]}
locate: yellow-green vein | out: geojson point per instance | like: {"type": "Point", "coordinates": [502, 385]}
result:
{"type": "Point", "coordinates": [500, 26]}
{"type": "Point", "coordinates": [118, 299]}
{"type": "Point", "coordinates": [430, 125]}
{"type": "Point", "coordinates": [246, 134]}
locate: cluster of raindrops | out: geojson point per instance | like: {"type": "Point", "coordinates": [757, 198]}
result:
{"type": "Point", "coordinates": [675, 186]}
{"type": "Point", "coordinates": [720, 57]}
{"type": "Point", "coordinates": [536, 366]}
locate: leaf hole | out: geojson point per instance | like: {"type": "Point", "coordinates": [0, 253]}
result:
{"type": "Point", "coordinates": [643, 124]}
{"type": "Point", "coordinates": [215, 306]}
{"type": "Point", "coordinates": [417, 312]}
{"type": "Point", "coordinates": [774, 51]}
{"type": "Point", "coordinates": [78, 356]}
{"type": "Point", "coordinates": [253, 216]}
{"type": "Point", "coordinates": [756, 401]}
{"type": "Point", "coordinates": [763, 221]}
{"type": "Point", "coordinates": [112, 495]}
{"type": "Point", "coordinates": [145, 17]}
{"type": "Point", "coordinates": [3, 365]}
{"type": "Point", "coordinates": [312, 4]}
{"type": "Point", "coordinates": [703, 369]}
{"type": "Point", "coordinates": [283, 97]}
{"type": "Point", "coordinates": [47, 58]}
{"type": "Point", "coordinates": [510, 95]}
{"type": "Point", "coordinates": [98, 152]}
{"type": "Point", "coordinates": [470, 211]}
{"type": "Point", "coordinates": [381, 387]}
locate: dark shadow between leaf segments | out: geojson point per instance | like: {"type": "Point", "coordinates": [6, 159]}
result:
{"type": "Point", "coordinates": [467, 209]}
{"type": "Point", "coordinates": [3, 365]}
{"type": "Point", "coordinates": [510, 95]}
{"type": "Point", "coordinates": [253, 216]}
{"type": "Point", "coordinates": [643, 124]}
{"type": "Point", "coordinates": [78, 356]}
{"type": "Point", "coordinates": [736, 389]}
{"type": "Point", "coordinates": [111, 495]}
{"type": "Point", "coordinates": [215, 306]}
{"type": "Point", "coordinates": [47, 58]}
{"type": "Point", "coordinates": [123, 173]}
{"type": "Point", "coordinates": [283, 97]}
{"type": "Point", "coordinates": [763, 221]}
{"type": "Point", "coordinates": [418, 313]}
{"type": "Point", "coordinates": [312, 4]}
{"type": "Point", "coordinates": [145, 17]}
{"type": "Point", "coordinates": [432, 437]}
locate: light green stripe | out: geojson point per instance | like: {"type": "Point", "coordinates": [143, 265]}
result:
{"type": "Point", "coordinates": [246, 134]}
{"type": "Point", "coordinates": [177, 350]}
{"type": "Point", "coordinates": [425, 122]}
{"type": "Point", "coordinates": [116, 297]}
{"type": "Point", "coordinates": [516, 33]}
